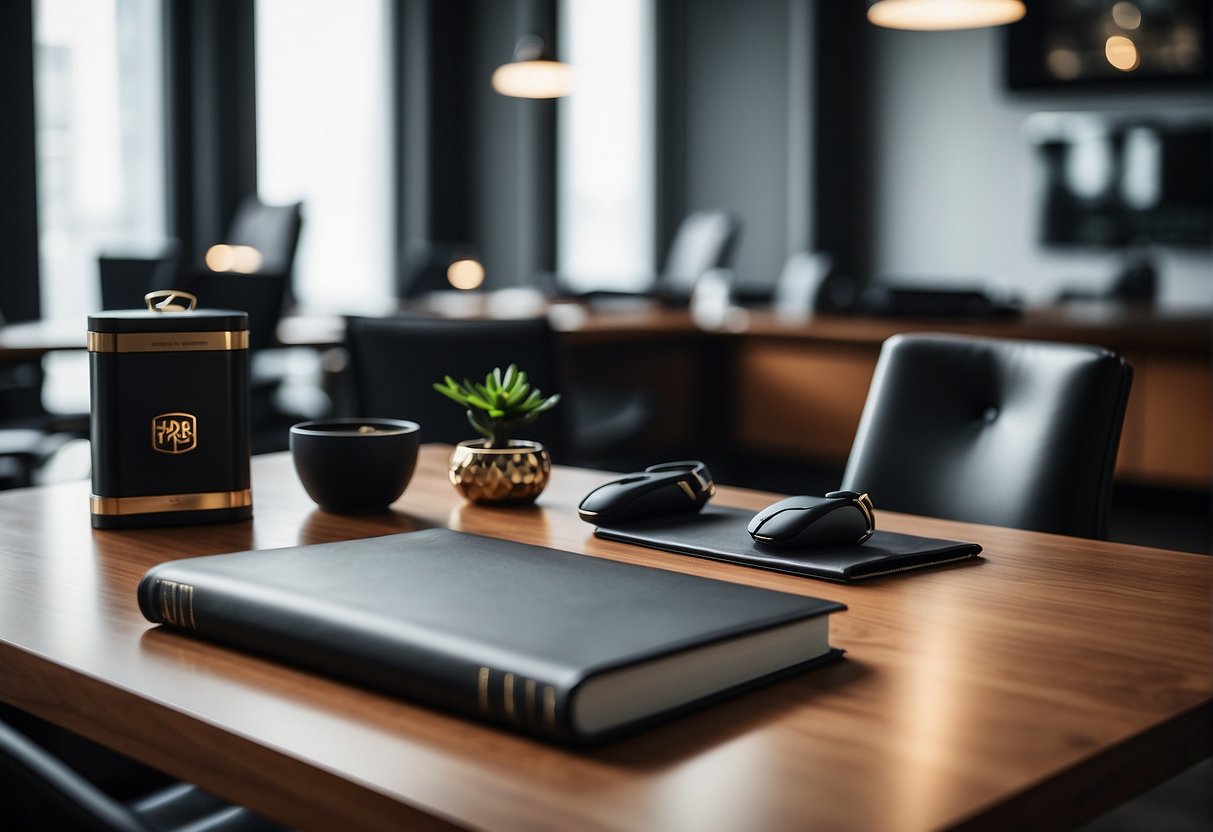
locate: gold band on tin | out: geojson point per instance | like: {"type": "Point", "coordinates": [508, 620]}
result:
{"type": "Point", "coordinates": [119, 506]}
{"type": "Point", "coordinates": [167, 341]}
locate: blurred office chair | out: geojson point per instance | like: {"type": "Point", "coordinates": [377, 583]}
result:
{"type": "Point", "coordinates": [126, 278]}
{"type": "Point", "coordinates": [394, 363]}
{"type": "Point", "coordinates": [262, 296]}
{"type": "Point", "coordinates": [705, 241]}
{"type": "Point", "coordinates": [424, 268]}
{"type": "Point", "coordinates": [273, 230]}
{"type": "Point", "coordinates": [41, 791]}
{"type": "Point", "coordinates": [1009, 433]}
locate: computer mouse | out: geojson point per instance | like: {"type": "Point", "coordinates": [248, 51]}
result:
{"type": "Point", "coordinates": [839, 517]}
{"type": "Point", "coordinates": [659, 490]}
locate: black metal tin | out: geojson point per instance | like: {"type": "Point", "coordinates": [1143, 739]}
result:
{"type": "Point", "coordinates": [170, 418]}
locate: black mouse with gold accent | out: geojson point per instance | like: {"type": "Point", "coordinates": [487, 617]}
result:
{"type": "Point", "coordinates": [839, 517]}
{"type": "Point", "coordinates": [659, 490]}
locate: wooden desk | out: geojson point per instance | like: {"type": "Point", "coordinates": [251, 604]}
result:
{"type": "Point", "coordinates": [1043, 685]}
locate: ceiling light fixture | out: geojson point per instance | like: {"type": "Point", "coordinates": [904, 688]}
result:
{"type": "Point", "coordinates": [940, 15]}
{"type": "Point", "coordinates": [533, 73]}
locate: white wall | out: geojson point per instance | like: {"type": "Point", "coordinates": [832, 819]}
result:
{"type": "Point", "coordinates": [954, 189]}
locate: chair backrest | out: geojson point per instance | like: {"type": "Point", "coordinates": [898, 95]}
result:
{"type": "Point", "coordinates": [261, 295]}
{"type": "Point", "coordinates": [394, 363]}
{"type": "Point", "coordinates": [274, 231]}
{"type": "Point", "coordinates": [704, 241]}
{"type": "Point", "coordinates": [126, 279]}
{"type": "Point", "coordinates": [423, 267]}
{"type": "Point", "coordinates": [271, 229]}
{"type": "Point", "coordinates": [1008, 433]}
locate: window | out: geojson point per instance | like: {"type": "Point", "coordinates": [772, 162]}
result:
{"type": "Point", "coordinates": [606, 198]}
{"type": "Point", "coordinates": [100, 142]}
{"type": "Point", "coordinates": [324, 131]}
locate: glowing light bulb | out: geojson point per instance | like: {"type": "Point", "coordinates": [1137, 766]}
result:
{"type": "Point", "coordinates": [1122, 53]}
{"type": "Point", "coordinates": [219, 258]}
{"type": "Point", "coordinates": [465, 274]}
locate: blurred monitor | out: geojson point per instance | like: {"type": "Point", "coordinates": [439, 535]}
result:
{"type": "Point", "coordinates": [1114, 182]}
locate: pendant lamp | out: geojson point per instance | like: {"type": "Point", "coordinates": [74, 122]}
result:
{"type": "Point", "coordinates": [533, 73]}
{"type": "Point", "coordinates": [939, 15]}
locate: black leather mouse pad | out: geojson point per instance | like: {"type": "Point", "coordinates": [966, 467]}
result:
{"type": "Point", "coordinates": [720, 533]}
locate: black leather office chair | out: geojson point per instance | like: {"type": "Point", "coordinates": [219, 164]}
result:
{"type": "Point", "coordinates": [261, 295]}
{"type": "Point", "coordinates": [40, 791]}
{"type": "Point", "coordinates": [1009, 433]}
{"type": "Point", "coordinates": [126, 278]}
{"type": "Point", "coordinates": [274, 231]}
{"type": "Point", "coordinates": [394, 363]}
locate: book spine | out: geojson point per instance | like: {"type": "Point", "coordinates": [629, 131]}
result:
{"type": "Point", "coordinates": [408, 665]}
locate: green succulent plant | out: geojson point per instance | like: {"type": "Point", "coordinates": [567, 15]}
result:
{"type": "Point", "coordinates": [503, 404]}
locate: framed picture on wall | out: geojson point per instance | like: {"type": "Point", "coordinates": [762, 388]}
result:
{"type": "Point", "coordinates": [1111, 43]}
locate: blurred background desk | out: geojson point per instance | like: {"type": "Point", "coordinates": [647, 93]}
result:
{"type": "Point", "coordinates": [796, 389]}
{"type": "Point", "coordinates": [801, 388]}
{"type": "Point", "coordinates": [761, 388]}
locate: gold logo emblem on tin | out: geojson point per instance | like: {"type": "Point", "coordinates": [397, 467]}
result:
{"type": "Point", "coordinates": [174, 433]}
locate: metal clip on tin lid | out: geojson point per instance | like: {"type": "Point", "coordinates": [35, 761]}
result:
{"type": "Point", "coordinates": [165, 300]}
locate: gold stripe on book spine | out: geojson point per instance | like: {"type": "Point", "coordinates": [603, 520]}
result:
{"type": "Point", "coordinates": [549, 707]}
{"type": "Point", "coordinates": [482, 689]}
{"type": "Point", "coordinates": [177, 604]}
{"type": "Point", "coordinates": [507, 694]}
{"type": "Point", "coordinates": [167, 341]}
{"type": "Point", "coordinates": [119, 506]}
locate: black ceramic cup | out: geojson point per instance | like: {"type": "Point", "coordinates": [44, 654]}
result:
{"type": "Point", "coordinates": [355, 465]}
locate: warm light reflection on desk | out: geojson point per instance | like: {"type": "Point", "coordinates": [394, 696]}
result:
{"type": "Point", "coordinates": [60, 554]}
{"type": "Point", "coordinates": [928, 708]}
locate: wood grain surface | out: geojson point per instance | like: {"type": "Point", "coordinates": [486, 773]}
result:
{"type": "Point", "coordinates": [1051, 680]}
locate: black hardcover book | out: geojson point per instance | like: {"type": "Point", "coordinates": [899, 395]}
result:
{"type": "Point", "coordinates": [569, 647]}
{"type": "Point", "coordinates": [720, 533]}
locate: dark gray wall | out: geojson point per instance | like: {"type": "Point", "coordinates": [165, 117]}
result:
{"type": "Point", "coordinates": [735, 130]}
{"type": "Point", "coordinates": [726, 142]}
{"type": "Point", "coordinates": [478, 167]}
{"type": "Point", "coordinates": [513, 156]}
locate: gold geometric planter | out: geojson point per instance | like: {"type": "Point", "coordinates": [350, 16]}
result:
{"type": "Point", "coordinates": [502, 476]}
